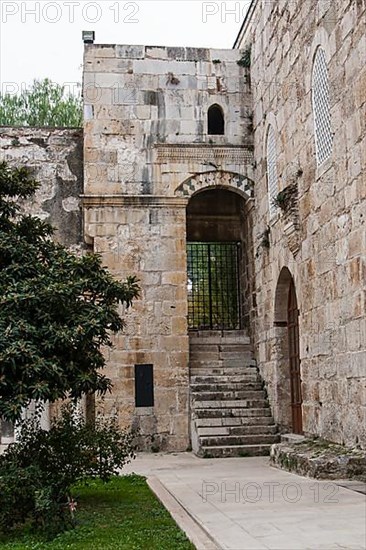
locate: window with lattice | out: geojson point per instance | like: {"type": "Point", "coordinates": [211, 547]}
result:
{"type": "Point", "coordinates": [321, 108]}
{"type": "Point", "coordinates": [272, 179]}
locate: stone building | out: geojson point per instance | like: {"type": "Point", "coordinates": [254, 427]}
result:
{"type": "Point", "coordinates": [308, 83]}
{"type": "Point", "coordinates": [232, 183]}
{"type": "Point", "coordinates": [168, 163]}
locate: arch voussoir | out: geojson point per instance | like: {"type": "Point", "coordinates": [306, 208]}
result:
{"type": "Point", "coordinates": [216, 178]}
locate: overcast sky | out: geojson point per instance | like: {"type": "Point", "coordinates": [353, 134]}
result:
{"type": "Point", "coordinates": [43, 38]}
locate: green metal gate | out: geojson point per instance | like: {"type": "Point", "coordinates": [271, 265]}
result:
{"type": "Point", "coordinates": [213, 286]}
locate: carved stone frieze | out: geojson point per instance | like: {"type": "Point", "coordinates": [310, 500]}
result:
{"type": "Point", "coordinates": [205, 153]}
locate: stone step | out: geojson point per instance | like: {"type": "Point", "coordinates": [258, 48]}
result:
{"type": "Point", "coordinates": [237, 348]}
{"type": "Point", "coordinates": [240, 362]}
{"type": "Point", "coordinates": [223, 451]}
{"type": "Point", "coordinates": [227, 386]}
{"type": "Point", "coordinates": [222, 337]}
{"type": "Point", "coordinates": [232, 379]}
{"type": "Point", "coordinates": [205, 356]}
{"type": "Point", "coordinates": [205, 365]}
{"type": "Point", "coordinates": [218, 361]}
{"type": "Point", "coordinates": [220, 350]}
{"type": "Point", "coordinates": [234, 412]}
{"type": "Point", "coordinates": [215, 431]}
{"type": "Point", "coordinates": [231, 404]}
{"type": "Point", "coordinates": [219, 371]}
{"type": "Point", "coordinates": [227, 368]}
{"type": "Point", "coordinates": [229, 407]}
{"type": "Point", "coordinates": [228, 395]}
{"type": "Point", "coordinates": [203, 348]}
{"type": "Point", "coordinates": [240, 343]}
{"type": "Point", "coordinates": [231, 440]}
{"type": "Point", "coordinates": [214, 363]}
{"type": "Point", "coordinates": [236, 356]}
{"type": "Point", "coordinates": [236, 421]}
{"type": "Point", "coordinates": [217, 347]}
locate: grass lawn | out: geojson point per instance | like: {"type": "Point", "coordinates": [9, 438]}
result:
{"type": "Point", "coordinates": [123, 513]}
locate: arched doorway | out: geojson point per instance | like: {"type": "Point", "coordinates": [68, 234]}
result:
{"type": "Point", "coordinates": [216, 260]}
{"type": "Point", "coordinates": [222, 366]}
{"type": "Point", "coordinates": [289, 392]}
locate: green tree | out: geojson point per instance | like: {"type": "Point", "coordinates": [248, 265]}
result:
{"type": "Point", "coordinates": [45, 103]}
{"type": "Point", "coordinates": [56, 309]}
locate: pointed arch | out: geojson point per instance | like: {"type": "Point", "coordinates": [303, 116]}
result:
{"type": "Point", "coordinates": [218, 178]}
{"type": "Point", "coordinates": [288, 364]}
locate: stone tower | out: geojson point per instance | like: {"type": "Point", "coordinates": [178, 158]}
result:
{"type": "Point", "coordinates": [162, 127]}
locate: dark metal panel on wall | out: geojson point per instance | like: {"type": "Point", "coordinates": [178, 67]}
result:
{"type": "Point", "coordinates": [144, 385]}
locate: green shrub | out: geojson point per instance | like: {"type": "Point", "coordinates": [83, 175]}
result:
{"type": "Point", "coordinates": [38, 471]}
{"type": "Point", "coordinates": [245, 59]}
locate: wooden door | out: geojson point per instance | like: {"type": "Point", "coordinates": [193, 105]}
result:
{"type": "Point", "coordinates": [294, 359]}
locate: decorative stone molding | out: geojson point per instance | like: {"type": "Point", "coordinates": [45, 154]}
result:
{"type": "Point", "coordinates": [291, 231]}
{"type": "Point", "coordinates": [230, 180]}
{"type": "Point", "coordinates": [205, 153]}
{"type": "Point", "coordinates": [95, 201]}
{"type": "Point", "coordinates": [287, 201]}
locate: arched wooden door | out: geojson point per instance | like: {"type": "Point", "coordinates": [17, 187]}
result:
{"type": "Point", "coordinates": [294, 359]}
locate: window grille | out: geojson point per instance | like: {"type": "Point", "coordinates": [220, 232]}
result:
{"type": "Point", "coordinates": [213, 286]}
{"type": "Point", "coordinates": [271, 170]}
{"type": "Point", "coordinates": [321, 108]}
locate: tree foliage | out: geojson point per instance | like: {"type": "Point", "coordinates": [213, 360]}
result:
{"type": "Point", "coordinates": [45, 103]}
{"type": "Point", "coordinates": [57, 310]}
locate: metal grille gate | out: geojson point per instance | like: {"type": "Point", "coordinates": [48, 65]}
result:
{"type": "Point", "coordinates": [213, 286]}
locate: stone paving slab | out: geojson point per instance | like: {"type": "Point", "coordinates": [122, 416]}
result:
{"type": "Point", "coordinates": [243, 503]}
{"type": "Point", "coordinates": [358, 486]}
{"type": "Point", "coordinates": [196, 534]}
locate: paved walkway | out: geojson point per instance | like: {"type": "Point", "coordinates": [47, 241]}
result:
{"type": "Point", "coordinates": [243, 503]}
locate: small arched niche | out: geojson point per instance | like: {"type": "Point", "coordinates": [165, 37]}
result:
{"type": "Point", "coordinates": [216, 121]}
{"type": "Point", "coordinates": [281, 297]}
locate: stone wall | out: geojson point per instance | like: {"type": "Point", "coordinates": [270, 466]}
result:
{"type": "Point", "coordinates": [56, 157]}
{"type": "Point", "coordinates": [147, 151]}
{"type": "Point", "coordinates": [325, 251]}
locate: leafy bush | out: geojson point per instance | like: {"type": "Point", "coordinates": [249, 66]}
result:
{"type": "Point", "coordinates": [38, 471]}
{"type": "Point", "coordinates": [245, 59]}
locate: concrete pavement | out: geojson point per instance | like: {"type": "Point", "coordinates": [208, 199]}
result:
{"type": "Point", "coordinates": [243, 503]}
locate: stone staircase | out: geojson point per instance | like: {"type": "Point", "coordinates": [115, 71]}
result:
{"type": "Point", "coordinates": [230, 413]}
